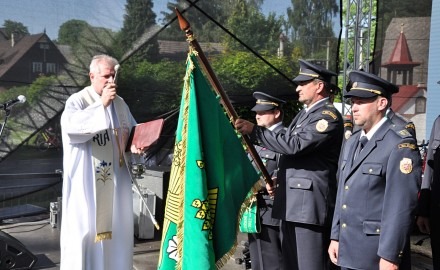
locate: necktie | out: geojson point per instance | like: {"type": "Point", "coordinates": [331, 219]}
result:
{"type": "Point", "coordinates": [362, 142]}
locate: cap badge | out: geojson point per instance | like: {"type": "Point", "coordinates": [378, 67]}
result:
{"type": "Point", "coordinates": [355, 84]}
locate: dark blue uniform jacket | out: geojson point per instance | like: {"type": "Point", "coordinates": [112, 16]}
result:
{"type": "Point", "coordinates": [307, 169]}
{"type": "Point", "coordinates": [377, 196]}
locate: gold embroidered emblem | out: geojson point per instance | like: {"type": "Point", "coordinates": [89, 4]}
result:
{"type": "Point", "coordinates": [200, 164]}
{"type": "Point", "coordinates": [407, 145]}
{"type": "Point", "coordinates": [411, 126]}
{"type": "Point", "coordinates": [406, 165]}
{"type": "Point", "coordinates": [332, 115]}
{"type": "Point", "coordinates": [206, 210]}
{"type": "Point", "coordinates": [404, 132]}
{"type": "Point", "coordinates": [322, 125]}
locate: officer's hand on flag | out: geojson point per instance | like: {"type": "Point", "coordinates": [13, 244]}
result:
{"type": "Point", "coordinates": [243, 126]}
{"type": "Point", "coordinates": [271, 188]}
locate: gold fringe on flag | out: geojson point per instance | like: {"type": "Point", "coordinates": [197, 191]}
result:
{"type": "Point", "coordinates": [103, 236]}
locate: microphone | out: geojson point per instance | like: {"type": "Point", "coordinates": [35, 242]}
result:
{"type": "Point", "coordinates": [12, 102]}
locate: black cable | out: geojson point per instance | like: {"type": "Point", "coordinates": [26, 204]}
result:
{"type": "Point", "coordinates": [241, 42]}
{"type": "Point", "coordinates": [154, 35]}
{"type": "Point", "coordinates": [39, 228]}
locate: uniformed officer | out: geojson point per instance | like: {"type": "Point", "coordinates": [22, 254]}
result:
{"type": "Point", "coordinates": [265, 247]}
{"type": "Point", "coordinates": [428, 219]}
{"type": "Point", "coordinates": [304, 199]}
{"type": "Point", "coordinates": [377, 191]}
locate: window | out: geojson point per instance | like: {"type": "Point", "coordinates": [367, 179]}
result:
{"type": "Point", "coordinates": [51, 68]}
{"type": "Point", "coordinates": [44, 46]}
{"type": "Point", "coordinates": [37, 67]}
{"type": "Point", "coordinates": [420, 105]}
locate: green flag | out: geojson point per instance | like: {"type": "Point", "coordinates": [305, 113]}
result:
{"type": "Point", "coordinates": [210, 177]}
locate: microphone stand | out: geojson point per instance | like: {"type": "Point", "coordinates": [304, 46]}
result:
{"type": "Point", "coordinates": [7, 113]}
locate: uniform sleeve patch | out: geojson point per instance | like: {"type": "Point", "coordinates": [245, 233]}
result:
{"type": "Point", "coordinates": [406, 165]}
{"type": "Point", "coordinates": [332, 114]}
{"type": "Point", "coordinates": [407, 145]}
{"type": "Point", "coordinates": [322, 125]}
{"type": "Point", "coordinates": [347, 134]}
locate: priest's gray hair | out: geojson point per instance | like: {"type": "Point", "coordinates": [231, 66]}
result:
{"type": "Point", "coordinates": [102, 58]}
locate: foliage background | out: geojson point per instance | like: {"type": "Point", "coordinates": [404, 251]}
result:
{"type": "Point", "coordinates": [259, 44]}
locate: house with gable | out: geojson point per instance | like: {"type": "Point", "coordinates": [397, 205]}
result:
{"type": "Point", "coordinates": [3, 34]}
{"type": "Point", "coordinates": [405, 63]}
{"type": "Point", "coordinates": [25, 58]}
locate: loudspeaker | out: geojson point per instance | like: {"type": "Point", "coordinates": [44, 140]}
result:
{"type": "Point", "coordinates": [14, 255]}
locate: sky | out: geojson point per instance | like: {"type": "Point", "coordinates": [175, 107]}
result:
{"type": "Point", "coordinates": [49, 15]}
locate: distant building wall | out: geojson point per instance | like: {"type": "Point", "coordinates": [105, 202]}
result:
{"type": "Point", "coordinates": [433, 102]}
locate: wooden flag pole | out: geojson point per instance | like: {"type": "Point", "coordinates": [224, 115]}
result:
{"type": "Point", "coordinates": [185, 26]}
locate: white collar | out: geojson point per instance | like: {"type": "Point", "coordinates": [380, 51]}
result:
{"type": "Point", "coordinates": [274, 126]}
{"type": "Point", "coordinates": [373, 129]}
{"type": "Point", "coordinates": [307, 108]}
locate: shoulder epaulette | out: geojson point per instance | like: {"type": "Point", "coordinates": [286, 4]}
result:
{"type": "Point", "coordinates": [348, 124]}
{"type": "Point", "coordinates": [410, 125]}
{"type": "Point", "coordinates": [403, 133]}
{"type": "Point", "coordinates": [332, 114]}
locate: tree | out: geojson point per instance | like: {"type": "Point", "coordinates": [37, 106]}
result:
{"type": "Point", "coordinates": [15, 27]}
{"type": "Point", "coordinates": [242, 74]}
{"type": "Point", "coordinates": [86, 41]}
{"type": "Point", "coordinates": [32, 92]}
{"type": "Point", "coordinates": [151, 88]}
{"type": "Point", "coordinates": [92, 41]}
{"type": "Point", "coordinates": [207, 30]}
{"type": "Point", "coordinates": [70, 32]}
{"type": "Point", "coordinates": [138, 18]}
{"type": "Point", "coordinates": [312, 24]}
{"type": "Point", "coordinates": [197, 20]}
{"type": "Point", "coordinates": [253, 29]}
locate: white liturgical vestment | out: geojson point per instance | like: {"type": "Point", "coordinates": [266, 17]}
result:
{"type": "Point", "coordinates": [84, 116]}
